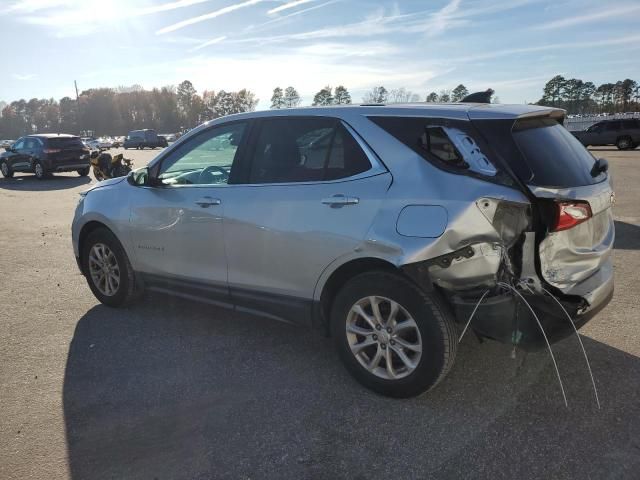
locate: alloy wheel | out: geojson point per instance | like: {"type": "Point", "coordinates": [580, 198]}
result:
{"type": "Point", "coordinates": [383, 337]}
{"type": "Point", "coordinates": [104, 269]}
{"type": "Point", "coordinates": [38, 170]}
{"type": "Point", "coordinates": [4, 168]}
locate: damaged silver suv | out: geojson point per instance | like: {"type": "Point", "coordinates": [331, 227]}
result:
{"type": "Point", "coordinates": [388, 227]}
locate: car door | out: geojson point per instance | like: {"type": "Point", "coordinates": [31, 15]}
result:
{"type": "Point", "coordinates": [18, 159]}
{"type": "Point", "coordinates": [611, 132]}
{"type": "Point", "coordinates": [310, 192]}
{"type": "Point", "coordinates": [176, 224]}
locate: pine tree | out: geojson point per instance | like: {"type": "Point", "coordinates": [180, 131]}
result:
{"type": "Point", "coordinates": [291, 98]}
{"type": "Point", "coordinates": [459, 93]}
{"type": "Point", "coordinates": [341, 96]}
{"type": "Point", "coordinates": [432, 97]}
{"type": "Point", "coordinates": [277, 100]}
{"type": "Point", "coordinates": [323, 97]}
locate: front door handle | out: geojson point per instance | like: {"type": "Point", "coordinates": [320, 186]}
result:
{"type": "Point", "coordinates": [205, 202]}
{"type": "Point", "coordinates": [340, 201]}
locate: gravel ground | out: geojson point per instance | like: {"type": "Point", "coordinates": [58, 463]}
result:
{"type": "Point", "coordinates": [170, 390]}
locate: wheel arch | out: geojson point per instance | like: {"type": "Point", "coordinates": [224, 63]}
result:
{"type": "Point", "coordinates": [87, 229]}
{"type": "Point", "coordinates": [327, 291]}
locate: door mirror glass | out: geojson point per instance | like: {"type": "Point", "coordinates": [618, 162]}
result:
{"type": "Point", "coordinates": [139, 177]}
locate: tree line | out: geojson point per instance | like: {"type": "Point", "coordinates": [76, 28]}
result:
{"type": "Point", "coordinates": [115, 111]}
{"type": "Point", "coordinates": [580, 97]}
{"type": "Point", "coordinates": [108, 111]}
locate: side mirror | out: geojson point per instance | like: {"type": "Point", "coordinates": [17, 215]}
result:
{"type": "Point", "coordinates": [139, 177]}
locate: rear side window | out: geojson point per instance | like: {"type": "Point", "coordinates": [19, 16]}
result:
{"type": "Point", "coordinates": [305, 150]}
{"type": "Point", "coordinates": [450, 144]}
{"type": "Point", "coordinates": [630, 124]}
{"type": "Point", "coordinates": [65, 142]}
{"type": "Point", "coordinates": [613, 125]}
{"type": "Point", "coordinates": [554, 157]}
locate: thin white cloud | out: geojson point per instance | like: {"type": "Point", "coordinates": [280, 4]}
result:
{"type": "Point", "coordinates": [288, 5]}
{"type": "Point", "coordinates": [208, 43]}
{"type": "Point", "coordinates": [207, 16]}
{"type": "Point", "coordinates": [626, 40]}
{"type": "Point", "coordinates": [282, 18]}
{"type": "Point", "coordinates": [590, 17]}
{"type": "Point", "coordinates": [23, 76]}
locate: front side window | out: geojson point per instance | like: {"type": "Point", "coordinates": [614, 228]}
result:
{"type": "Point", "coordinates": [206, 159]}
{"type": "Point", "coordinates": [614, 125]}
{"type": "Point", "coordinates": [296, 149]}
{"type": "Point", "coordinates": [19, 145]}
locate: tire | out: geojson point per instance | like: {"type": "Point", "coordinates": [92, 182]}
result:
{"type": "Point", "coordinates": [126, 290]}
{"type": "Point", "coordinates": [39, 170]}
{"type": "Point", "coordinates": [433, 330]}
{"type": "Point", "coordinates": [6, 170]}
{"type": "Point", "coordinates": [624, 143]}
{"type": "Point", "coordinates": [83, 172]}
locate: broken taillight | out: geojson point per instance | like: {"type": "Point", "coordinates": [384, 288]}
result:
{"type": "Point", "coordinates": [571, 213]}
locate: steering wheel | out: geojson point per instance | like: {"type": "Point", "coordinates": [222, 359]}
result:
{"type": "Point", "coordinates": [208, 171]}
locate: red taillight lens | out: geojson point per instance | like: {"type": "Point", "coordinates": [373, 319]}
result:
{"type": "Point", "coordinates": [51, 150]}
{"type": "Point", "coordinates": [570, 214]}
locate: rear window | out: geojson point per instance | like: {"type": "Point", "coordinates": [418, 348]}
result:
{"type": "Point", "coordinates": [65, 142]}
{"type": "Point", "coordinates": [554, 157]}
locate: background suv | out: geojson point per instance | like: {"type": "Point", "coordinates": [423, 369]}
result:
{"type": "Point", "coordinates": [625, 134]}
{"type": "Point", "coordinates": [44, 154]}
{"type": "Point", "coordinates": [144, 139]}
{"type": "Point", "coordinates": [385, 227]}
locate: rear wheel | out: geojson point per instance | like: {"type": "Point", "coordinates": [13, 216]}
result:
{"type": "Point", "coordinates": [5, 169]}
{"type": "Point", "coordinates": [108, 270]}
{"type": "Point", "coordinates": [83, 172]}
{"type": "Point", "coordinates": [624, 143]}
{"type": "Point", "coordinates": [393, 337]}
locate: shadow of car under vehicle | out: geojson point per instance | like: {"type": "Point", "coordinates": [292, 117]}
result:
{"type": "Point", "coordinates": [169, 389]}
{"type": "Point", "coordinates": [627, 236]}
{"type": "Point", "coordinates": [31, 183]}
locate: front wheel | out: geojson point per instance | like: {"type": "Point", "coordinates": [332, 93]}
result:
{"type": "Point", "coordinates": [108, 270]}
{"type": "Point", "coordinates": [394, 338]}
{"type": "Point", "coordinates": [624, 143]}
{"type": "Point", "coordinates": [5, 169]}
{"type": "Point", "coordinates": [83, 172]}
{"type": "Point", "coordinates": [39, 171]}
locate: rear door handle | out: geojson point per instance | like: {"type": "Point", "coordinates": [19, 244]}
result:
{"type": "Point", "coordinates": [205, 202]}
{"type": "Point", "coordinates": [340, 200]}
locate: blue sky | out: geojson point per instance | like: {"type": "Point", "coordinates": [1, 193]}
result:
{"type": "Point", "coordinates": [513, 46]}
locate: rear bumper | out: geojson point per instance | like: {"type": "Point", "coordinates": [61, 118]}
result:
{"type": "Point", "coordinates": [507, 319]}
{"type": "Point", "coordinates": [70, 166]}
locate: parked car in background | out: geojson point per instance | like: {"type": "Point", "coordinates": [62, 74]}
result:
{"type": "Point", "coordinates": [383, 225]}
{"type": "Point", "coordinates": [44, 154]}
{"type": "Point", "coordinates": [170, 137]}
{"type": "Point", "coordinates": [623, 133]}
{"type": "Point", "coordinates": [5, 143]}
{"type": "Point", "coordinates": [146, 138]}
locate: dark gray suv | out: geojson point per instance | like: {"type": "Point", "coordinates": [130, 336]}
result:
{"type": "Point", "coordinates": [625, 134]}
{"type": "Point", "coordinates": [44, 154]}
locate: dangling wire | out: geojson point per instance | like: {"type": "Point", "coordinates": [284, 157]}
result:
{"type": "Point", "coordinates": [472, 314]}
{"type": "Point", "coordinates": [584, 352]}
{"type": "Point", "coordinates": [553, 358]}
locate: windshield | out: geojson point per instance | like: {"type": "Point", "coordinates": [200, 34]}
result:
{"type": "Point", "coordinates": [553, 155]}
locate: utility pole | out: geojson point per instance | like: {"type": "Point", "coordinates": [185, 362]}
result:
{"type": "Point", "coordinates": [75, 84]}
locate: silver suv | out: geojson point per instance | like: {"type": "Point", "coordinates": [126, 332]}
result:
{"type": "Point", "coordinates": [388, 227]}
